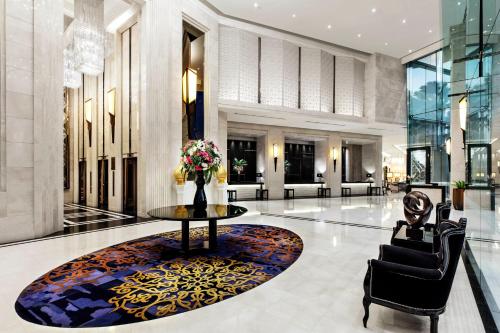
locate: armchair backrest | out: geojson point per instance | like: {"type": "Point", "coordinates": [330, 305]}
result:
{"type": "Point", "coordinates": [452, 237]}
{"type": "Point", "coordinates": [443, 210]}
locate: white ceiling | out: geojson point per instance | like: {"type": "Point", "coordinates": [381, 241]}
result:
{"type": "Point", "coordinates": [348, 18]}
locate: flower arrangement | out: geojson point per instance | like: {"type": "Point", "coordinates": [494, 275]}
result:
{"type": "Point", "coordinates": [201, 156]}
{"type": "Point", "coordinates": [239, 165]}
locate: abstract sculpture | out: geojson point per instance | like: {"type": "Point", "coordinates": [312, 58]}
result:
{"type": "Point", "coordinates": [417, 208]}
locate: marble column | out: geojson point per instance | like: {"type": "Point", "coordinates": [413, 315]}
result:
{"type": "Point", "coordinates": [160, 119]}
{"type": "Point", "coordinates": [275, 179]}
{"type": "Point", "coordinates": [334, 178]}
{"type": "Point", "coordinates": [457, 47]}
{"type": "Point", "coordinates": [48, 120]}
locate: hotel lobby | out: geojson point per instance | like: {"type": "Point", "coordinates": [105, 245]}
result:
{"type": "Point", "coordinates": [250, 166]}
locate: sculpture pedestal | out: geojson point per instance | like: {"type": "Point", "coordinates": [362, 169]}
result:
{"type": "Point", "coordinates": [179, 191]}
{"type": "Point", "coordinates": [222, 194]}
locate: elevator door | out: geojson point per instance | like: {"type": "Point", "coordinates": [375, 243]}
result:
{"type": "Point", "coordinates": [130, 185]}
{"type": "Point", "coordinates": [103, 184]}
{"type": "Point", "coordinates": [82, 183]}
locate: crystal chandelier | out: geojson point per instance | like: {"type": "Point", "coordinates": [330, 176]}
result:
{"type": "Point", "coordinates": [89, 36]}
{"type": "Point", "coordinates": [72, 78]}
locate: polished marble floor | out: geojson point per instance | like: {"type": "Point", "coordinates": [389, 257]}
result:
{"type": "Point", "coordinates": [321, 292]}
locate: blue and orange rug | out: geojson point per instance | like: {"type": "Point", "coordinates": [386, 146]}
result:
{"type": "Point", "coordinates": [148, 278]}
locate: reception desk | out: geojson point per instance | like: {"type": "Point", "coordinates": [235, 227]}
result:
{"type": "Point", "coordinates": [245, 191]}
{"type": "Point", "coordinates": [359, 188]}
{"type": "Point", "coordinates": [305, 190]}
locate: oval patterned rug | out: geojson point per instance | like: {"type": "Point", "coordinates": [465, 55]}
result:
{"type": "Point", "coordinates": [148, 278]}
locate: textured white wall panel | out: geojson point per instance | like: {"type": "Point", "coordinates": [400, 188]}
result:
{"type": "Point", "coordinates": [290, 75]}
{"type": "Point", "coordinates": [344, 82]}
{"type": "Point", "coordinates": [326, 82]}
{"type": "Point", "coordinates": [271, 71]}
{"type": "Point", "coordinates": [249, 67]}
{"type": "Point", "coordinates": [229, 63]}
{"type": "Point", "coordinates": [358, 91]}
{"type": "Point", "coordinates": [310, 79]}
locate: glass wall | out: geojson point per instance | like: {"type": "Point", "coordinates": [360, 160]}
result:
{"type": "Point", "coordinates": [472, 37]}
{"type": "Point", "coordinates": [428, 81]}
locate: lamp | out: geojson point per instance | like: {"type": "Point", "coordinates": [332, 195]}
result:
{"type": "Point", "coordinates": [447, 144]}
{"type": "Point", "coordinates": [87, 108]}
{"type": "Point", "coordinates": [462, 108]}
{"type": "Point", "coordinates": [334, 156]}
{"type": "Point", "coordinates": [111, 111]}
{"type": "Point", "coordinates": [275, 154]}
{"type": "Point", "coordinates": [189, 81]}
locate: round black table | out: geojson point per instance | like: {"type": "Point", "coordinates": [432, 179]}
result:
{"type": "Point", "coordinates": [187, 213]}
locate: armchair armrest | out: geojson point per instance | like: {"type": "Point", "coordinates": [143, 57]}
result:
{"type": "Point", "coordinates": [409, 257]}
{"type": "Point", "coordinates": [384, 267]}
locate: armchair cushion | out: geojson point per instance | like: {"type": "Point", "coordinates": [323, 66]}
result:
{"type": "Point", "coordinates": [385, 267]}
{"type": "Point", "coordinates": [409, 257]}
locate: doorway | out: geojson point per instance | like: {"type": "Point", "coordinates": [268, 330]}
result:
{"type": "Point", "coordinates": [130, 185]}
{"type": "Point", "coordinates": [102, 191]}
{"type": "Point", "coordinates": [82, 182]}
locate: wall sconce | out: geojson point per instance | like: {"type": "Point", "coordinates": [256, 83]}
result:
{"type": "Point", "coordinates": [189, 81]}
{"type": "Point", "coordinates": [111, 111]}
{"type": "Point", "coordinates": [447, 144]}
{"type": "Point", "coordinates": [275, 154]}
{"type": "Point", "coordinates": [462, 108]}
{"type": "Point", "coordinates": [87, 108]}
{"type": "Point", "coordinates": [334, 156]}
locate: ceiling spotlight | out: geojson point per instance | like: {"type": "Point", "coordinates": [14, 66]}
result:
{"type": "Point", "coordinates": [374, 10]}
{"type": "Point", "coordinates": [404, 21]}
{"type": "Point", "coordinates": [329, 26]}
{"type": "Point", "coordinates": [386, 43]}
{"type": "Point", "coordinates": [430, 31]}
{"type": "Point", "coordinates": [256, 5]}
{"type": "Point", "coordinates": [294, 16]}
{"type": "Point", "coordinates": [359, 35]}
{"type": "Point", "coordinates": [459, 3]}
{"type": "Point", "coordinates": [410, 51]}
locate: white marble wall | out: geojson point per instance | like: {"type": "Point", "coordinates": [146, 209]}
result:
{"type": "Point", "coordinates": [279, 83]}
{"type": "Point", "coordinates": [33, 195]}
{"type": "Point", "coordinates": [385, 89]}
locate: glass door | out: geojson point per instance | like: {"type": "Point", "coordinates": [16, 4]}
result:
{"type": "Point", "coordinates": [418, 165]}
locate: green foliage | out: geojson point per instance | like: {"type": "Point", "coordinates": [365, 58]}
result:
{"type": "Point", "coordinates": [459, 184]}
{"type": "Point", "coordinates": [239, 165]}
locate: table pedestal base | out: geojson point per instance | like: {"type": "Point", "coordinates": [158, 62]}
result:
{"type": "Point", "coordinates": [212, 236]}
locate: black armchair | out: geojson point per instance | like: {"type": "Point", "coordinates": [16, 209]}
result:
{"type": "Point", "coordinates": [413, 281]}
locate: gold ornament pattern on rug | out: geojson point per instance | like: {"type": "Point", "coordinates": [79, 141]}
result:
{"type": "Point", "coordinates": [203, 281]}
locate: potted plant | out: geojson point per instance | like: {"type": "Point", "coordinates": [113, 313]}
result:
{"type": "Point", "coordinates": [458, 195]}
{"type": "Point", "coordinates": [202, 158]}
{"type": "Point", "coordinates": [239, 166]}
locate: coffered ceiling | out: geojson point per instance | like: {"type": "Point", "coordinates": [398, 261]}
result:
{"type": "Point", "coordinates": [392, 27]}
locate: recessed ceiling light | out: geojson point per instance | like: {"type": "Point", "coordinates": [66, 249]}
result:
{"type": "Point", "coordinates": [374, 10]}
{"type": "Point", "coordinates": [430, 31]}
{"type": "Point", "coordinates": [403, 21]}
{"type": "Point", "coordinates": [256, 5]}
{"type": "Point", "coordinates": [294, 16]}
{"type": "Point", "coordinates": [386, 43]}
{"type": "Point", "coordinates": [359, 35]}
{"type": "Point", "coordinates": [329, 26]}
{"type": "Point", "coordinates": [410, 51]}
{"type": "Point", "coordinates": [459, 3]}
